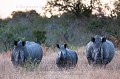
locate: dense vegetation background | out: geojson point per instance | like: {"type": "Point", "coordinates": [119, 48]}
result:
{"type": "Point", "coordinates": [74, 26]}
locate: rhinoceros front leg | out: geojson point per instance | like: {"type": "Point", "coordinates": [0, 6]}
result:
{"type": "Point", "coordinates": [105, 61]}
{"type": "Point", "coordinates": [90, 60]}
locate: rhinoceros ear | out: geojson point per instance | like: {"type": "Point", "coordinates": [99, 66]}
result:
{"type": "Point", "coordinates": [65, 45]}
{"type": "Point", "coordinates": [92, 39]}
{"type": "Point", "coordinates": [103, 40]}
{"type": "Point", "coordinates": [23, 43]}
{"type": "Point", "coordinates": [57, 45]}
{"type": "Point", "coordinates": [15, 43]}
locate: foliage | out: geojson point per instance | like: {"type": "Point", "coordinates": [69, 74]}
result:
{"type": "Point", "coordinates": [96, 25]}
{"type": "Point", "coordinates": [19, 14]}
{"type": "Point", "coordinates": [117, 8]}
{"type": "Point", "coordinates": [20, 27]}
{"type": "Point", "coordinates": [104, 26]}
{"type": "Point", "coordinates": [75, 7]}
{"type": "Point", "coordinates": [116, 12]}
{"type": "Point", "coordinates": [49, 31]}
{"type": "Point", "coordinates": [40, 36]}
{"type": "Point", "coordinates": [5, 36]}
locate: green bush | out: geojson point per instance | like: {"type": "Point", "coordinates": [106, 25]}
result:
{"type": "Point", "coordinates": [95, 25]}
{"type": "Point", "coordinates": [40, 36]}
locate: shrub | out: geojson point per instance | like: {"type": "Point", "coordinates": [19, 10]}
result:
{"type": "Point", "coordinates": [40, 36]}
{"type": "Point", "coordinates": [95, 25]}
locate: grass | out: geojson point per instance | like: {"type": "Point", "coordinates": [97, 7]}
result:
{"type": "Point", "coordinates": [48, 69]}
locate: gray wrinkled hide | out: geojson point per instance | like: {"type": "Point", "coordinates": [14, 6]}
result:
{"type": "Point", "coordinates": [105, 54]}
{"type": "Point", "coordinates": [66, 57]}
{"type": "Point", "coordinates": [30, 51]}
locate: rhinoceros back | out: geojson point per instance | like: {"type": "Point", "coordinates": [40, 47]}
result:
{"type": "Point", "coordinates": [73, 56]}
{"type": "Point", "coordinates": [33, 51]}
{"type": "Point", "coordinates": [108, 49]}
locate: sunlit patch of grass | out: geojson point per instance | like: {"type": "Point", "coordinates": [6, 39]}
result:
{"type": "Point", "coordinates": [72, 47]}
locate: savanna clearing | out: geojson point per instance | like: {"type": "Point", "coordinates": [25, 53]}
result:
{"type": "Point", "coordinates": [48, 69]}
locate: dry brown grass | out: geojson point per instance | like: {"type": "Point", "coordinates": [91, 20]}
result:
{"type": "Point", "coordinates": [48, 70]}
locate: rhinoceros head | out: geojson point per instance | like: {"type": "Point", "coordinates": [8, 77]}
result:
{"type": "Point", "coordinates": [18, 53]}
{"type": "Point", "coordinates": [97, 49]}
{"type": "Point", "coordinates": [63, 52]}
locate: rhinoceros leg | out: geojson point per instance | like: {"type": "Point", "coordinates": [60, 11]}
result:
{"type": "Point", "coordinates": [90, 61]}
{"type": "Point", "coordinates": [105, 62]}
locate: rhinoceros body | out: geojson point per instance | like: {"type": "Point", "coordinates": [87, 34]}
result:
{"type": "Point", "coordinates": [100, 51]}
{"type": "Point", "coordinates": [24, 51]}
{"type": "Point", "coordinates": [66, 57]}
